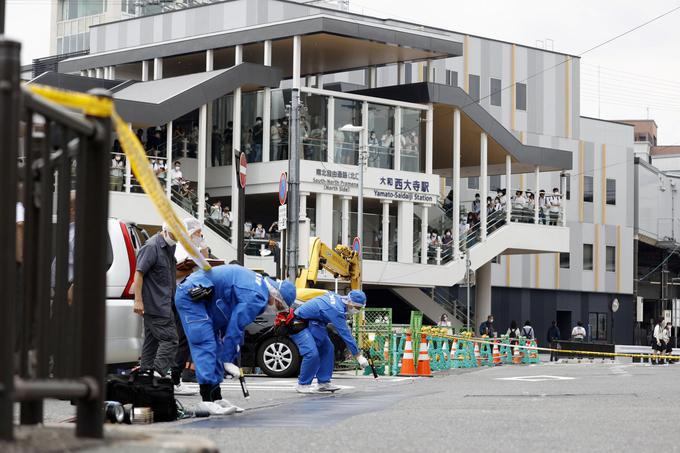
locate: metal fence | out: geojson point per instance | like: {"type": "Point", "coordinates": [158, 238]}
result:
{"type": "Point", "coordinates": [53, 282]}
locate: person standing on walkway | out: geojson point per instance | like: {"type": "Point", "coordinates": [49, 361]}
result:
{"type": "Point", "coordinates": [154, 293]}
{"type": "Point", "coordinates": [578, 333]}
{"type": "Point", "coordinates": [528, 331]}
{"type": "Point", "coordinates": [554, 336]}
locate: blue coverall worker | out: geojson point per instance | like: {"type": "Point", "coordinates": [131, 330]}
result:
{"type": "Point", "coordinates": [315, 346]}
{"type": "Point", "coordinates": [215, 324]}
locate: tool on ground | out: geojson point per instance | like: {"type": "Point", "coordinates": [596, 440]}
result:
{"type": "Point", "coordinates": [242, 379]}
{"type": "Point", "coordinates": [367, 352]}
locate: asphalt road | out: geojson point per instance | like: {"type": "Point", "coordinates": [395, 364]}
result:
{"type": "Point", "coordinates": [548, 407]}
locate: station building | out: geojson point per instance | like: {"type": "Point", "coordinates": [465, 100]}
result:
{"type": "Point", "coordinates": [442, 115]}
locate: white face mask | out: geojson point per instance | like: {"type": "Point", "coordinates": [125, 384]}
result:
{"type": "Point", "coordinates": [177, 167]}
{"type": "Point", "coordinates": [171, 242]}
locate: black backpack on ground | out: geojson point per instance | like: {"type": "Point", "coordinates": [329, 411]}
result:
{"type": "Point", "coordinates": [143, 389]}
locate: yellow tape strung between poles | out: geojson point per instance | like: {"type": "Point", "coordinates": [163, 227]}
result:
{"type": "Point", "coordinates": [103, 107]}
{"type": "Point", "coordinates": [562, 351]}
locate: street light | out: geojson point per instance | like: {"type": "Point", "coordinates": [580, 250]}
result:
{"type": "Point", "coordinates": [360, 200]}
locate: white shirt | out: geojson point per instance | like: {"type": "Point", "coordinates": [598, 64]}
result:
{"type": "Point", "coordinates": [259, 233]}
{"type": "Point", "coordinates": [176, 176]}
{"type": "Point", "coordinates": [20, 212]}
{"type": "Point", "coordinates": [578, 332]}
{"type": "Point", "coordinates": [555, 202]}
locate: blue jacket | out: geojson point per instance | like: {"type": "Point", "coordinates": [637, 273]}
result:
{"type": "Point", "coordinates": [239, 296]}
{"type": "Point", "coordinates": [329, 309]}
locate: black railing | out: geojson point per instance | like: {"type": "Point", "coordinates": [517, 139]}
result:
{"type": "Point", "coordinates": [56, 275]}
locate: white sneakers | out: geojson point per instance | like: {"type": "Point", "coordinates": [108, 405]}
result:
{"type": "Point", "coordinates": [184, 390]}
{"type": "Point", "coordinates": [309, 388]}
{"type": "Point", "coordinates": [227, 405]}
{"type": "Point", "coordinates": [215, 409]}
{"type": "Point", "coordinates": [327, 387]}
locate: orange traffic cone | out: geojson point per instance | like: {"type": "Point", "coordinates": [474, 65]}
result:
{"type": "Point", "coordinates": [408, 368]}
{"type": "Point", "coordinates": [533, 353]}
{"type": "Point", "coordinates": [424, 358]}
{"type": "Point", "coordinates": [478, 357]}
{"type": "Point", "coordinates": [496, 354]}
{"type": "Point", "coordinates": [516, 358]}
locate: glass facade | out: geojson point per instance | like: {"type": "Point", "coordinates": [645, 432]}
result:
{"type": "Point", "coordinates": [381, 136]}
{"type": "Point", "coordinates": [347, 143]}
{"type": "Point", "coordinates": [73, 9]}
{"type": "Point", "coordinates": [411, 138]}
{"type": "Point", "coordinates": [313, 127]}
{"type": "Point", "coordinates": [278, 125]}
{"type": "Point", "coordinates": [221, 143]}
{"type": "Point", "coordinates": [252, 125]}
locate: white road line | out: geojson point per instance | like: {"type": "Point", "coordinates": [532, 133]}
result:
{"type": "Point", "coordinates": [539, 378]}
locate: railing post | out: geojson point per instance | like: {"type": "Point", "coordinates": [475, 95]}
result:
{"type": "Point", "coordinates": [9, 144]}
{"type": "Point", "coordinates": [439, 255]}
{"type": "Point", "coordinates": [92, 205]}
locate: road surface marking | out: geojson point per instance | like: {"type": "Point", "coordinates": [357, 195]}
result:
{"type": "Point", "coordinates": [538, 378]}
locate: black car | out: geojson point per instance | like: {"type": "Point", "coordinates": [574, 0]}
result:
{"type": "Point", "coordinates": [277, 356]}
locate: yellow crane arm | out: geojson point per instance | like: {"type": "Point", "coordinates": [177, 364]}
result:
{"type": "Point", "coordinates": [342, 262]}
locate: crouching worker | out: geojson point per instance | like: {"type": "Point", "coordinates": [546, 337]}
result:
{"type": "Point", "coordinates": [215, 307]}
{"type": "Point", "coordinates": [316, 348]}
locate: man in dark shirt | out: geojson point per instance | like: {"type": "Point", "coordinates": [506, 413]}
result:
{"type": "Point", "coordinates": [554, 336]}
{"type": "Point", "coordinates": [154, 293]}
{"type": "Point", "coordinates": [257, 139]}
{"type": "Point", "coordinates": [486, 328]}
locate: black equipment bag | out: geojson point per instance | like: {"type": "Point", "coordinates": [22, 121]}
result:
{"type": "Point", "coordinates": [143, 389]}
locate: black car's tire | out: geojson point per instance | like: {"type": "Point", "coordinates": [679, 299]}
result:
{"type": "Point", "coordinates": [278, 357]}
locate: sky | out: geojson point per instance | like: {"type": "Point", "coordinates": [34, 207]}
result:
{"type": "Point", "coordinates": [636, 76]}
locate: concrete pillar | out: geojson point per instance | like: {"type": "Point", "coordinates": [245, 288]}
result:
{"type": "Point", "coordinates": [372, 77]}
{"type": "Point", "coordinates": [106, 72]}
{"type": "Point", "coordinates": [83, 73]}
{"type": "Point", "coordinates": [145, 70]}
{"type": "Point", "coordinates": [297, 51]}
{"type": "Point", "coordinates": [157, 68]}
{"type": "Point", "coordinates": [455, 185]}
{"type": "Point", "coordinates": [345, 220]}
{"type": "Point", "coordinates": [91, 73]}
{"type": "Point", "coordinates": [405, 231]}
{"type": "Point", "coordinates": [209, 65]}
{"type": "Point", "coordinates": [99, 73]}
{"type": "Point", "coordinates": [508, 188]}
{"type": "Point", "coordinates": [324, 218]}
{"type": "Point", "coordinates": [386, 229]}
{"type": "Point", "coordinates": [202, 153]}
{"type": "Point", "coordinates": [168, 168]}
{"type": "Point", "coordinates": [112, 73]}
{"type": "Point", "coordinates": [482, 294]}
{"type": "Point", "coordinates": [563, 204]}
{"type": "Point", "coordinates": [400, 73]}
{"type": "Point", "coordinates": [483, 184]}
{"type": "Point", "coordinates": [537, 172]}
{"type": "Point", "coordinates": [267, 108]}
{"type": "Point", "coordinates": [429, 135]}
{"type": "Point", "coordinates": [424, 220]}
{"type": "Point", "coordinates": [236, 146]}
{"type": "Point", "coordinates": [397, 138]}
{"type": "Point", "coordinates": [330, 127]}
{"type": "Point", "coordinates": [209, 60]}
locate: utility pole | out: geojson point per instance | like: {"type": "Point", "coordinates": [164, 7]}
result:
{"type": "Point", "coordinates": [294, 187]}
{"type": "Point", "coordinates": [2, 17]}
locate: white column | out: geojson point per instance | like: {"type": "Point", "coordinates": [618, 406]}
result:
{"type": "Point", "coordinates": [386, 229]}
{"type": "Point", "coordinates": [99, 73]}
{"type": "Point", "coordinates": [267, 108]}
{"type": "Point", "coordinates": [483, 293]}
{"type": "Point", "coordinates": [330, 127]}
{"type": "Point", "coordinates": [405, 232]}
{"type": "Point", "coordinates": [303, 204]}
{"type": "Point", "coordinates": [372, 77]}
{"type": "Point", "coordinates": [400, 73]}
{"type": "Point", "coordinates": [157, 68]}
{"type": "Point", "coordinates": [236, 146]}
{"type": "Point", "coordinates": [303, 229]}
{"type": "Point", "coordinates": [202, 153]}
{"type": "Point", "coordinates": [455, 185]}
{"type": "Point", "coordinates": [91, 73]}
{"type": "Point", "coordinates": [297, 50]}
{"type": "Point", "coordinates": [537, 172]}
{"type": "Point", "coordinates": [508, 188]}
{"type": "Point", "coordinates": [106, 72]}
{"type": "Point", "coordinates": [563, 204]}
{"type": "Point", "coordinates": [83, 73]}
{"type": "Point", "coordinates": [168, 163]}
{"type": "Point", "coordinates": [483, 184]}
{"type": "Point", "coordinates": [324, 217]}
{"type": "Point", "coordinates": [397, 138]}
{"type": "Point", "coordinates": [424, 220]}
{"type": "Point", "coordinates": [345, 220]}
{"type": "Point", "coordinates": [128, 176]}
{"type": "Point", "coordinates": [112, 73]}
{"type": "Point", "coordinates": [145, 70]}
{"type": "Point", "coordinates": [429, 132]}
{"type": "Point", "coordinates": [209, 60]}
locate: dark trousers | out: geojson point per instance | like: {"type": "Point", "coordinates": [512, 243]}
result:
{"type": "Point", "coordinates": [553, 354]}
{"type": "Point", "coordinates": [160, 343]}
{"type": "Point", "coordinates": [183, 355]}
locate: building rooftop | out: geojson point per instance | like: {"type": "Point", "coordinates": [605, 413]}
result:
{"type": "Point", "coordinates": [665, 150]}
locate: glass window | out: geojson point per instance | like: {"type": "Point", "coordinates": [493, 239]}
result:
{"type": "Point", "coordinates": [60, 43]}
{"type": "Point", "coordinates": [611, 191]}
{"type": "Point", "coordinates": [587, 257]}
{"type": "Point", "coordinates": [598, 326]}
{"type": "Point", "coordinates": [495, 183]}
{"type": "Point", "coordinates": [564, 260]}
{"type": "Point", "coordinates": [347, 143]}
{"type": "Point", "coordinates": [521, 96]}
{"type": "Point", "coordinates": [278, 132]}
{"type": "Point", "coordinates": [380, 136]}
{"type": "Point", "coordinates": [411, 138]}
{"type": "Point", "coordinates": [408, 68]}
{"type": "Point", "coordinates": [451, 77]}
{"type": "Point", "coordinates": [495, 91]}
{"type": "Point", "coordinates": [473, 182]}
{"type": "Point", "coordinates": [73, 9]}
{"type": "Point", "coordinates": [473, 82]}
{"type": "Point", "coordinates": [252, 127]}
{"type": "Point", "coordinates": [611, 259]}
{"type": "Point", "coordinates": [588, 188]}
{"type": "Point", "coordinates": [313, 121]}
{"type": "Point", "coordinates": [222, 138]}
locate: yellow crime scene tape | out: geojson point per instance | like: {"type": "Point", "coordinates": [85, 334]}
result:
{"type": "Point", "coordinates": [141, 167]}
{"type": "Point", "coordinates": [487, 340]}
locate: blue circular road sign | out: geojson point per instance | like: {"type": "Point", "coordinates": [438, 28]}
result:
{"type": "Point", "coordinates": [283, 188]}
